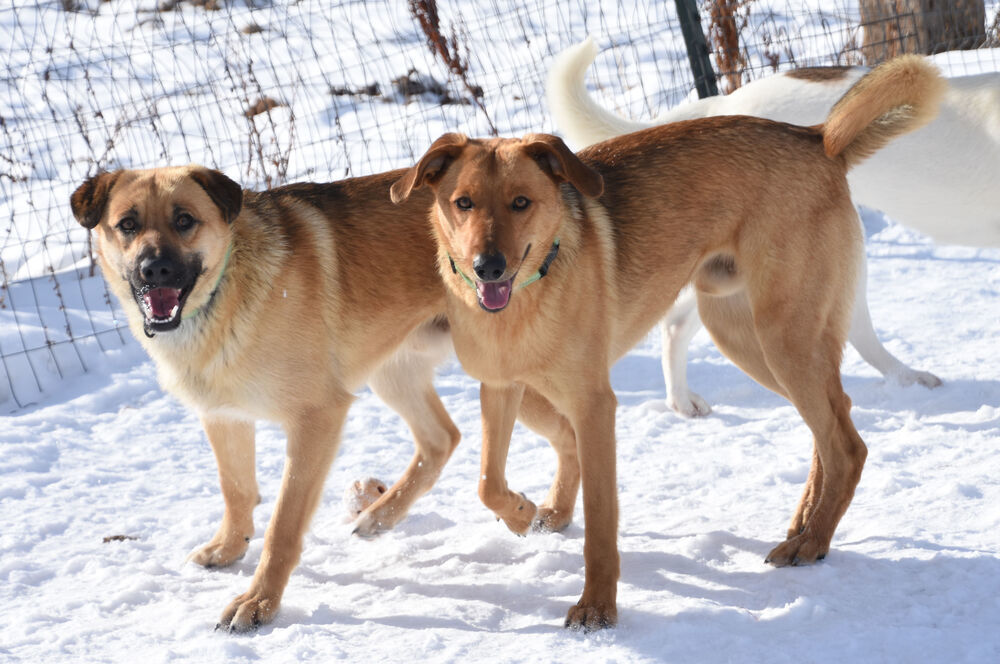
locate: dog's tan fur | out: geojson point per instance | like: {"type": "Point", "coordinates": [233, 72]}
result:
{"type": "Point", "coordinates": [326, 287]}
{"type": "Point", "coordinates": [756, 214]}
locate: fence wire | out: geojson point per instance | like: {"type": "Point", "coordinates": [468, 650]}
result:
{"type": "Point", "coordinates": [272, 92]}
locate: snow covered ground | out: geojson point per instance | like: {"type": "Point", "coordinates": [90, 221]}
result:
{"type": "Point", "coordinates": [914, 574]}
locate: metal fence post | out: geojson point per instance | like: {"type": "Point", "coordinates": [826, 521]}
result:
{"type": "Point", "coordinates": [697, 48]}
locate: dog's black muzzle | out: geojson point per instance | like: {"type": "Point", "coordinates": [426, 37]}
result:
{"type": "Point", "coordinates": [161, 282]}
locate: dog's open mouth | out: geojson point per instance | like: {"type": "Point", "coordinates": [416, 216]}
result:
{"type": "Point", "coordinates": [494, 295]}
{"type": "Point", "coordinates": [162, 307]}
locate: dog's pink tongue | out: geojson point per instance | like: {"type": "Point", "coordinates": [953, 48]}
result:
{"type": "Point", "coordinates": [495, 294]}
{"type": "Point", "coordinates": [161, 302]}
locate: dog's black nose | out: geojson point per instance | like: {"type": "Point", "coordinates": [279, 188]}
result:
{"type": "Point", "coordinates": [489, 267]}
{"type": "Point", "coordinates": [156, 270]}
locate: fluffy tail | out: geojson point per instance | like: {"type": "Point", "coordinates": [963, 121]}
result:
{"type": "Point", "coordinates": [578, 118]}
{"type": "Point", "coordinates": [898, 96]}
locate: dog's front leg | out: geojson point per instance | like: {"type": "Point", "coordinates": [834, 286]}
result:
{"type": "Point", "coordinates": [499, 406]}
{"type": "Point", "coordinates": [593, 418]}
{"type": "Point", "coordinates": [233, 444]}
{"type": "Point", "coordinates": [313, 437]}
{"type": "Point", "coordinates": [538, 414]}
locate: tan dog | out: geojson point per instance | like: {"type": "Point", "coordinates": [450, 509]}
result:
{"type": "Point", "coordinates": [755, 213]}
{"type": "Point", "coordinates": [278, 305]}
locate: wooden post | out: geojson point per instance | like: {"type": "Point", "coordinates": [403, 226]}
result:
{"type": "Point", "coordinates": [894, 27]}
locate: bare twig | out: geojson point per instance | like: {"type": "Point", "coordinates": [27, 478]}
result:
{"type": "Point", "coordinates": [727, 19]}
{"type": "Point", "coordinates": [425, 11]}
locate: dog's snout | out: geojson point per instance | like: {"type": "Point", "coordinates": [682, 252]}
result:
{"type": "Point", "coordinates": [157, 270]}
{"type": "Point", "coordinates": [490, 266]}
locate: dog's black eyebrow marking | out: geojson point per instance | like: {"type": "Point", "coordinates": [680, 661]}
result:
{"type": "Point", "coordinates": [179, 210]}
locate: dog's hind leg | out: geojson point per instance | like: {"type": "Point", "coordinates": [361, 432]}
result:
{"type": "Point", "coordinates": [789, 336]}
{"type": "Point", "coordinates": [539, 415]}
{"type": "Point", "coordinates": [679, 326]}
{"type": "Point", "coordinates": [862, 336]}
{"type": "Point", "coordinates": [233, 444]}
{"type": "Point", "coordinates": [813, 385]}
{"type": "Point", "coordinates": [730, 323]}
{"type": "Point", "coordinates": [405, 383]}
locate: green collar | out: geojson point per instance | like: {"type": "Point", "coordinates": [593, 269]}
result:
{"type": "Point", "coordinates": [542, 270]}
{"type": "Point", "coordinates": [215, 287]}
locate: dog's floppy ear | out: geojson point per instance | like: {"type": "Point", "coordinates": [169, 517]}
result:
{"type": "Point", "coordinates": [562, 165]}
{"type": "Point", "coordinates": [430, 167]}
{"type": "Point", "coordinates": [226, 194]}
{"type": "Point", "coordinates": [91, 197]}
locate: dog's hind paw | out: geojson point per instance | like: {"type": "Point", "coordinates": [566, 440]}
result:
{"type": "Point", "coordinates": [688, 404]}
{"type": "Point", "coordinates": [367, 526]}
{"type": "Point", "coordinates": [362, 494]}
{"type": "Point", "coordinates": [906, 377]}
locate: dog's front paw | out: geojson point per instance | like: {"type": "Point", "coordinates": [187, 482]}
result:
{"type": "Point", "coordinates": [802, 549]}
{"type": "Point", "coordinates": [224, 549]}
{"type": "Point", "coordinates": [520, 517]}
{"type": "Point", "coordinates": [590, 617]}
{"type": "Point", "coordinates": [248, 612]}
{"type": "Point", "coordinates": [907, 377]}
{"type": "Point", "coordinates": [688, 404]}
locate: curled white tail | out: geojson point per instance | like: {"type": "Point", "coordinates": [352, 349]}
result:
{"type": "Point", "coordinates": [581, 121]}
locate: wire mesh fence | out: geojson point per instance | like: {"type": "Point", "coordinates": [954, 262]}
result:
{"type": "Point", "coordinates": [272, 92]}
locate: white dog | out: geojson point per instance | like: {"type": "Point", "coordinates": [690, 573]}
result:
{"type": "Point", "coordinates": [943, 180]}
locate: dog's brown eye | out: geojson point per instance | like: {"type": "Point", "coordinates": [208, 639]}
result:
{"type": "Point", "coordinates": [520, 203]}
{"type": "Point", "coordinates": [463, 203]}
{"type": "Point", "coordinates": [184, 222]}
{"type": "Point", "coordinates": [128, 225]}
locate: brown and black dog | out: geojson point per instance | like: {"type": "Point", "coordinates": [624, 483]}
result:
{"type": "Point", "coordinates": [756, 214]}
{"type": "Point", "coordinates": [278, 305]}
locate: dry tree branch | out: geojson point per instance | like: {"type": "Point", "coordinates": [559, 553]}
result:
{"type": "Point", "coordinates": [727, 19]}
{"type": "Point", "coordinates": [426, 14]}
